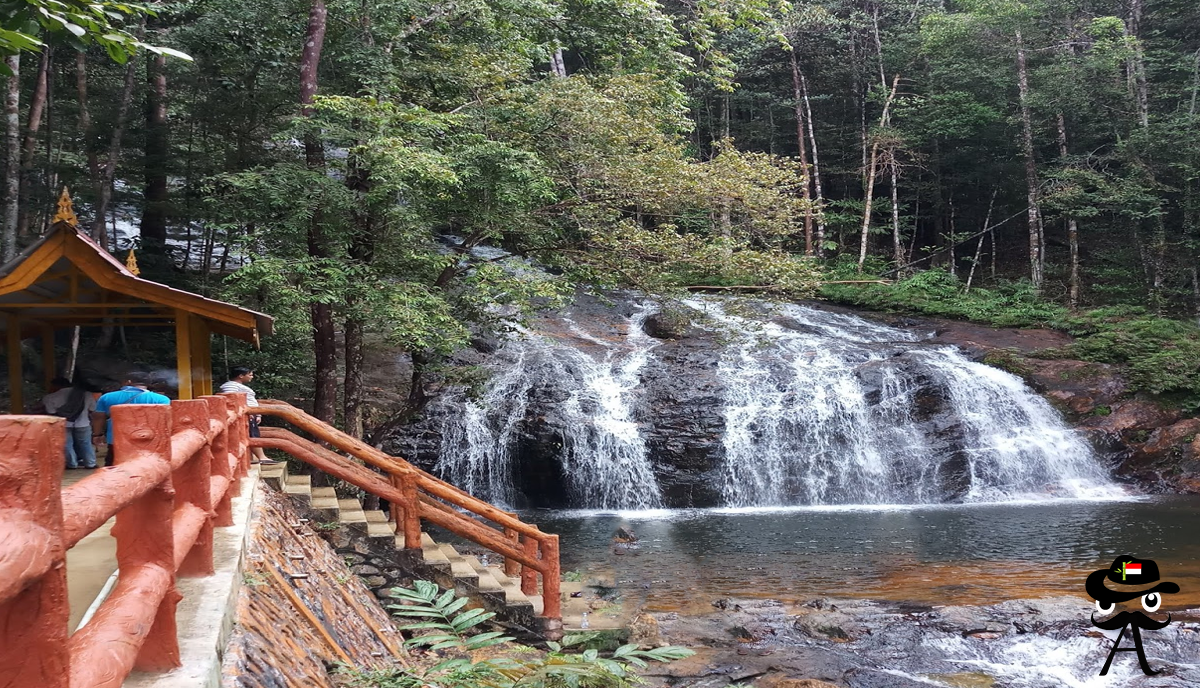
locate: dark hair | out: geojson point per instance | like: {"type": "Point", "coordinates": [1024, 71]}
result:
{"type": "Point", "coordinates": [238, 371]}
{"type": "Point", "coordinates": [60, 382]}
{"type": "Point", "coordinates": [138, 377]}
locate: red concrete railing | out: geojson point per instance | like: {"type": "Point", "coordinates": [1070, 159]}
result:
{"type": "Point", "coordinates": [177, 468]}
{"type": "Point", "coordinates": [416, 495]}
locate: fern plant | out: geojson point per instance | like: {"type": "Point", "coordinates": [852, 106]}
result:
{"type": "Point", "coordinates": [441, 614]}
{"type": "Point", "coordinates": [556, 668]}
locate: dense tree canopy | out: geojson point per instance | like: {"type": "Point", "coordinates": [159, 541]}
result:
{"type": "Point", "coordinates": [360, 168]}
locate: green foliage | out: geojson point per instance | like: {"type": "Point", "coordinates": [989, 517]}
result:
{"type": "Point", "coordinates": [79, 23]}
{"type": "Point", "coordinates": [442, 615]}
{"type": "Point", "coordinates": [559, 667]}
{"type": "Point", "coordinates": [1163, 355]}
{"type": "Point", "coordinates": [938, 293]}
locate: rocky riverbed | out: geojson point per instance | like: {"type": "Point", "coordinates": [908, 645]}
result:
{"type": "Point", "coordinates": [823, 643]}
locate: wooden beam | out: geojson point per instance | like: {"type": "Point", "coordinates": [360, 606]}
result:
{"type": "Point", "coordinates": [16, 396]}
{"type": "Point", "coordinates": [88, 304]}
{"type": "Point", "coordinates": [183, 352]}
{"type": "Point", "coordinates": [49, 360]}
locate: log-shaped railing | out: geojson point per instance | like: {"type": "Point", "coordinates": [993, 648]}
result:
{"type": "Point", "coordinates": [177, 469]}
{"type": "Point", "coordinates": [415, 495]}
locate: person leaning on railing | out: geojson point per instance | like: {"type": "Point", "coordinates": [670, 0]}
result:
{"type": "Point", "coordinates": [239, 381]}
{"type": "Point", "coordinates": [133, 392]}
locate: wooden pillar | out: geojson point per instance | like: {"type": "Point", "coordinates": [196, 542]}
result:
{"type": "Point", "coordinates": [183, 352]}
{"type": "Point", "coordinates": [49, 362]}
{"type": "Point", "coordinates": [201, 345]}
{"type": "Point", "coordinates": [16, 394]}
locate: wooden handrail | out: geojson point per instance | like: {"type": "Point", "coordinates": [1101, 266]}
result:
{"type": "Point", "coordinates": [416, 495]}
{"type": "Point", "coordinates": [177, 468]}
{"type": "Point", "coordinates": [394, 465]}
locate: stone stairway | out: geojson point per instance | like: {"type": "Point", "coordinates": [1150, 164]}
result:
{"type": "Point", "coordinates": [371, 536]}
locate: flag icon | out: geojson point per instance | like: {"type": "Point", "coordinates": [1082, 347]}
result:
{"type": "Point", "coordinates": [1133, 569]}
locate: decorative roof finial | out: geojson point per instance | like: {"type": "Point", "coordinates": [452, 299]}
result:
{"type": "Point", "coordinates": [131, 264]}
{"type": "Point", "coordinates": [66, 211]}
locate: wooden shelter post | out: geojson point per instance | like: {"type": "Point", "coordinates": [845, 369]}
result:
{"type": "Point", "coordinates": [183, 352]}
{"type": "Point", "coordinates": [49, 361]}
{"type": "Point", "coordinates": [16, 394]}
{"type": "Point", "coordinates": [201, 345]}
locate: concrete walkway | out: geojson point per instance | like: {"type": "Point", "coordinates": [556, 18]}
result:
{"type": "Point", "coordinates": [89, 563]}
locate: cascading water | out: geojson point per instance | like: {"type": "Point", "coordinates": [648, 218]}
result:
{"type": "Point", "coordinates": [822, 408]}
{"type": "Point", "coordinates": [808, 408]}
{"type": "Point", "coordinates": [603, 456]}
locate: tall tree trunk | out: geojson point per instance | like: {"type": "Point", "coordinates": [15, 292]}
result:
{"type": "Point", "coordinates": [1036, 231]}
{"type": "Point", "coordinates": [802, 144]}
{"type": "Point", "coordinates": [37, 104]}
{"type": "Point", "coordinates": [816, 168]}
{"type": "Point", "coordinates": [871, 173]}
{"type": "Point", "coordinates": [987, 221]}
{"type": "Point", "coordinates": [324, 335]}
{"type": "Point", "coordinates": [154, 212]}
{"type": "Point", "coordinates": [85, 122]}
{"type": "Point", "coordinates": [12, 158]}
{"type": "Point", "coordinates": [897, 241]}
{"type": "Point", "coordinates": [557, 66]}
{"type": "Point", "coordinates": [1072, 226]}
{"type": "Point", "coordinates": [109, 171]}
{"type": "Point", "coordinates": [362, 251]}
{"type": "Point", "coordinates": [1136, 63]}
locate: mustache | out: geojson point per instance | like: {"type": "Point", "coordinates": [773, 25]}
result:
{"type": "Point", "coordinates": [1136, 619]}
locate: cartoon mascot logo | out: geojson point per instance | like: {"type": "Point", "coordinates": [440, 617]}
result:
{"type": "Point", "coordinates": [1130, 577]}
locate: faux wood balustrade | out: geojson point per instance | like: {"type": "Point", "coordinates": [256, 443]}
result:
{"type": "Point", "coordinates": [177, 468]}
{"type": "Point", "coordinates": [416, 495]}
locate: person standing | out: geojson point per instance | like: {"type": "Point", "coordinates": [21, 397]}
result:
{"type": "Point", "coordinates": [133, 392]}
{"type": "Point", "coordinates": [75, 404]}
{"type": "Point", "coordinates": [239, 381]}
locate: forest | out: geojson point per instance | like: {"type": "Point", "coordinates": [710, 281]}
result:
{"type": "Point", "coordinates": [351, 166]}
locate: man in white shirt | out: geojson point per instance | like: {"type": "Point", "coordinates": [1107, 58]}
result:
{"type": "Point", "coordinates": [76, 402]}
{"type": "Point", "coordinates": [239, 380]}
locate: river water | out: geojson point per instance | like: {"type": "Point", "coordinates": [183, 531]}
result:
{"type": "Point", "coordinates": [975, 554]}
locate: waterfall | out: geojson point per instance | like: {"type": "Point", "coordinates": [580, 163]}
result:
{"type": "Point", "coordinates": [803, 407]}
{"type": "Point", "coordinates": [593, 382]}
{"type": "Point", "coordinates": [823, 408]}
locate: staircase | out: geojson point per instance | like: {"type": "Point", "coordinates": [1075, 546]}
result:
{"type": "Point", "coordinates": [486, 585]}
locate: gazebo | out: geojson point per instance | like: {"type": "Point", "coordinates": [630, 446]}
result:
{"type": "Point", "coordinates": [66, 279]}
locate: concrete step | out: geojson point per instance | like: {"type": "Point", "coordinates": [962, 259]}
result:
{"type": "Point", "coordinates": [274, 475]}
{"type": "Point", "coordinates": [352, 512]}
{"type": "Point", "coordinates": [299, 487]}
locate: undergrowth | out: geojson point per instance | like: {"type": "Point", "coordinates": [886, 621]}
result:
{"type": "Point", "coordinates": [454, 653]}
{"type": "Point", "coordinates": [1162, 355]}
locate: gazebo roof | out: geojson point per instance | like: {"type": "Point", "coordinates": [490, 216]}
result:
{"type": "Point", "coordinates": [67, 279]}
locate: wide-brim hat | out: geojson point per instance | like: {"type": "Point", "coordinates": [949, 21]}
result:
{"type": "Point", "coordinates": [1132, 574]}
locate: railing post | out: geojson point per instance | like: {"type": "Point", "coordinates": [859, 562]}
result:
{"type": "Point", "coordinates": [218, 409]}
{"type": "Point", "coordinates": [528, 573]}
{"type": "Point", "coordinates": [193, 484]}
{"type": "Point", "coordinates": [240, 446]}
{"type": "Point", "coordinates": [411, 511]}
{"type": "Point", "coordinates": [33, 624]}
{"type": "Point", "coordinates": [395, 510]}
{"type": "Point", "coordinates": [551, 577]}
{"type": "Point", "coordinates": [512, 567]}
{"type": "Point", "coordinates": [144, 530]}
